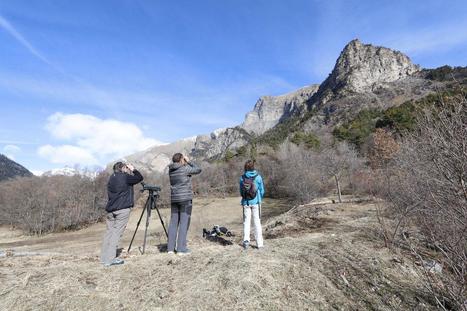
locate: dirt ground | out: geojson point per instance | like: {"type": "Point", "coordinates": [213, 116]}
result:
{"type": "Point", "coordinates": [320, 256]}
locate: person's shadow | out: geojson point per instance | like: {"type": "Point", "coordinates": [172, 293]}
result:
{"type": "Point", "coordinates": [162, 247]}
{"type": "Point", "coordinates": [218, 239]}
{"type": "Point", "coordinates": [119, 251]}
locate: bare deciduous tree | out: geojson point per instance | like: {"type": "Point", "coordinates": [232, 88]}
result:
{"type": "Point", "coordinates": [383, 147]}
{"type": "Point", "coordinates": [429, 185]}
{"type": "Point", "coordinates": [47, 204]}
{"type": "Point", "coordinates": [337, 160]}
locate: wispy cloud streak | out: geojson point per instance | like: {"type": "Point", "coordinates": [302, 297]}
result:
{"type": "Point", "coordinates": [8, 27]}
{"type": "Point", "coordinates": [430, 39]}
{"type": "Point", "coordinates": [17, 142]}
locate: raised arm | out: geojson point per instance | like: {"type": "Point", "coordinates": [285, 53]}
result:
{"type": "Point", "coordinates": [135, 178]}
{"type": "Point", "coordinates": [192, 169]}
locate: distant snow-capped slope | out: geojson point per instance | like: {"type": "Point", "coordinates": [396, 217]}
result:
{"type": "Point", "coordinates": [69, 171]}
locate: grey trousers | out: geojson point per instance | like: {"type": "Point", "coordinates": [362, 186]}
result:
{"type": "Point", "coordinates": [179, 223]}
{"type": "Point", "coordinates": [116, 224]}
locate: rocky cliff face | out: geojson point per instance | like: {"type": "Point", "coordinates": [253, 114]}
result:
{"type": "Point", "coordinates": [363, 67]}
{"type": "Point", "coordinates": [219, 141]}
{"type": "Point", "coordinates": [11, 169]}
{"type": "Point", "coordinates": [270, 110]}
{"type": "Point", "coordinates": [201, 147]}
{"type": "Point", "coordinates": [364, 76]}
{"type": "Point", "coordinates": [156, 159]}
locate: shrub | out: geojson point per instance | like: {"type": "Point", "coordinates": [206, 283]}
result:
{"type": "Point", "coordinates": [47, 204]}
{"type": "Point", "coordinates": [218, 179]}
{"type": "Point", "coordinates": [440, 74]}
{"type": "Point", "coordinates": [428, 184]}
{"type": "Point", "coordinates": [301, 174]}
{"type": "Point", "coordinates": [278, 134]}
{"type": "Point", "coordinates": [360, 128]}
{"type": "Point", "coordinates": [310, 140]}
{"type": "Point", "coordinates": [275, 136]}
{"type": "Point", "coordinates": [400, 118]}
{"type": "Point", "coordinates": [242, 151]}
{"type": "Point", "coordinates": [229, 155]}
{"type": "Point", "coordinates": [383, 148]}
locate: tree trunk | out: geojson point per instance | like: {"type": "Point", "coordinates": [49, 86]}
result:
{"type": "Point", "coordinates": [338, 188]}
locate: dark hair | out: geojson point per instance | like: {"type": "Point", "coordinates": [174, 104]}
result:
{"type": "Point", "coordinates": [249, 165]}
{"type": "Point", "coordinates": [177, 157]}
{"type": "Point", "coordinates": [118, 167]}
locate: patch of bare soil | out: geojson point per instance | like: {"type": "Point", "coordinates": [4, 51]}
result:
{"type": "Point", "coordinates": [300, 220]}
{"type": "Point", "coordinates": [315, 258]}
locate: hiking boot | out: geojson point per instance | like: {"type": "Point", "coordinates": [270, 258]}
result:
{"type": "Point", "coordinates": [246, 244]}
{"type": "Point", "coordinates": [185, 252]}
{"type": "Point", "coordinates": [115, 262]}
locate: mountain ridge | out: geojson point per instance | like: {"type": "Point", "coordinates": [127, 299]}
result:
{"type": "Point", "coordinates": [364, 76]}
{"type": "Point", "coordinates": [11, 169]}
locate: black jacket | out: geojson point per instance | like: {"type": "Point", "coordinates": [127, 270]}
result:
{"type": "Point", "coordinates": [120, 190]}
{"type": "Point", "coordinates": [180, 181]}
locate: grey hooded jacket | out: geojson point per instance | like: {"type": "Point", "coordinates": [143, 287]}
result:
{"type": "Point", "coordinates": [180, 181]}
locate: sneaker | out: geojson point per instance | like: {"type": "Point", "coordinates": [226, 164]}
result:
{"type": "Point", "coordinates": [185, 252]}
{"type": "Point", "coordinates": [170, 252]}
{"type": "Point", "coordinates": [246, 244]}
{"type": "Point", "coordinates": [115, 262]}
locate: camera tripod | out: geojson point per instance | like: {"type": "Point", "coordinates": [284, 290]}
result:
{"type": "Point", "coordinates": [148, 207]}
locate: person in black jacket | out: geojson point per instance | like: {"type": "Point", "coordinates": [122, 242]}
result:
{"type": "Point", "coordinates": [181, 196]}
{"type": "Point", "coordinates": [121, 199]}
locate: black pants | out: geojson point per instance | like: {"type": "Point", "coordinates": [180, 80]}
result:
{"type": "Point", "coordinates": [179, 223]}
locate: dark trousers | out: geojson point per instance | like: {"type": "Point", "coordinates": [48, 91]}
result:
{"type": "Point", "coordinates": [179, 223]}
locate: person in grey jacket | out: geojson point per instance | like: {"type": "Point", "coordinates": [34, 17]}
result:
{"type": "Point", "coordinates": [180, 172]}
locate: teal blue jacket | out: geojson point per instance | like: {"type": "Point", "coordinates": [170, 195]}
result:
{"type": "Point", "coordinates": [259, 186]}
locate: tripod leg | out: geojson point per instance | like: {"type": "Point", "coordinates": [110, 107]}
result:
{"type": "Point", "coordinates": [160, 217]}
{"type": "Point", "coordinates": [148, 216]}
{"type": "Point", "coordinates": [137, 225]}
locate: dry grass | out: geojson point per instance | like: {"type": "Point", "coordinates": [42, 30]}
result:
{"type": "Point", "coordinates": [331, 267]}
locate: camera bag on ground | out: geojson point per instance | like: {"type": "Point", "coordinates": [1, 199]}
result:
{"type": "Point", "coordinates": [217, 234]}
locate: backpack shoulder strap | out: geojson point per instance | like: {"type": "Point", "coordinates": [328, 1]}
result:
{"type": "Point", "coordinates": [252, 177]}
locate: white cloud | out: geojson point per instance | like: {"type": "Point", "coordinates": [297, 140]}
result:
{"type": "Point", "coordinates": [91, 140]}
{"type": "Point", "coordinates": [67, 154]}
{"type": "Point", "coordinates": [11, 151]}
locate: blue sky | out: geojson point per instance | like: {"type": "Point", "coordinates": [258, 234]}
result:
{"type": "Point", "coordinates": [89, 81]}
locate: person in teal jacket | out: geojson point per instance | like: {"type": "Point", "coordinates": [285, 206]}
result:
{"type": "Point", "coordinates": [252, 192]}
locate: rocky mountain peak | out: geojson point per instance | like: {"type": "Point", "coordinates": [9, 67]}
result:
{"type": "Point", "coordinates": [360, 67]}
